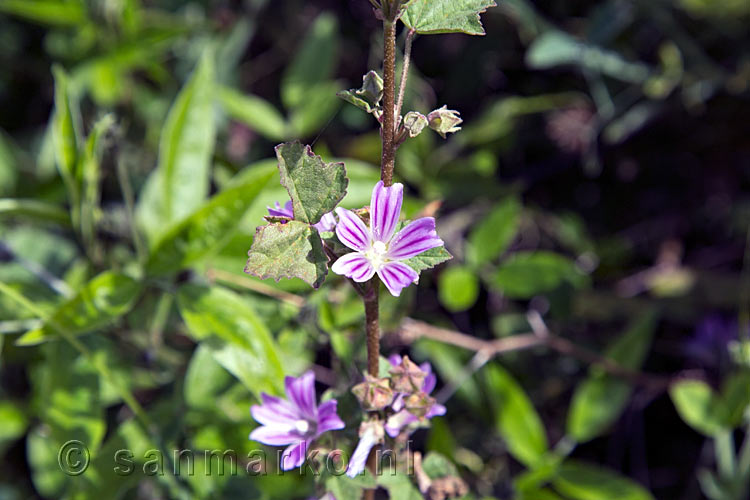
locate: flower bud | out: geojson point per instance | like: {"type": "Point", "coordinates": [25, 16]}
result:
{"type": "Point", "coordinates": [407, 377]}
{"type": "Point", "coordinates": [444, 121]}
{"type": "Point", "coordinates": [374, 393]}
{"type": "Point", "coordinates": [414, 123]}
{"type": "Point", "coordinates": [419, 403]}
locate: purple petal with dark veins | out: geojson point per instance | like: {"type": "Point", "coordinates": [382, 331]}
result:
{"type": "Point", "coordinates": [355, 266]}
{"type": "Point", "coordinates": [294, 455]}
{"type": "Point", "coordinates": [274, 436]}
{"type": "Point", "coordinates": [301, 392]}
{"type": "Point", "coordinates": [396, 276]}
{"type": "Point", "coordinates": [415, 238]}
{"type": "Point", "coordinates": [352, 231]}
{"type": "Point", "coordinates": [328, 419]}
{"type": "Point", "coordinates": [359, 457]}
{"type": "Point", "coordinates": [385, 209]}
{"type": "Point", "coordinates": [287, 211]}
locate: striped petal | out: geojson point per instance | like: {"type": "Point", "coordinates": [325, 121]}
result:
{"type": "Point", "coordinates": [294, 455]}
{"type": "Point", "coordinates": [397, 276]}
{"type": "Point", "coordinates": [277, 211]}
{"type": "Point", "coordinates": [355, 266]}
{"type": "Point", "coordinates": [328, 419]}
{"type": "Point", "coordinates": [415, 238]}
{"type": "Point", "coordinates": [274, 436]}
{"type": "Point", "coordinates": [385, 209]}
{"type": "Point", "coordinates": [359, 457]}
{"type": "Point", "coordinates": [352, 231]}
{"type": "Point", "coordinates": [301, 392]}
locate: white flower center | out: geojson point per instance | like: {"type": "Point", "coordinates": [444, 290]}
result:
{"type": "Point", "coordinates": [376, 254]}
{"type": "Point", "coordinates": [302, 426]}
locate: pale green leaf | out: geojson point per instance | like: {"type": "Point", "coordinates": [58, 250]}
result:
{"type": "Point", "coordinates": [291, 250]}
{"type": "Point", "coordinates": [399, 485]}
{"type": "Point", "coordinates": [204, 380]}
{"type": "Point", "coordinates": [256, 113]}
{"type": "Point", "coordinates": [735, 392]}
{"type": "Point", "coordinates": [581, 481]}
{"type": "Point", "coordinates": [65, 137]}
{"type": "Point", "coordinates": [181, 179]}
{"type": "Point", "coordinates": [100, 302]}
{"type": "Point", "coordinates": [699, 406]}
{"type": "Point", "coordinates": [429, 259]}
{"type": "Point", "coordinates": [458, 288]}
{"type": "Point", "coordinates": [526, 274]}
{"type": "Point", "coordinates": [206, 230]}
{"type": "Point", "coordinates": [33, 209]}
{"type": "Point", "coordinates": [51, 12]}
{"type": "Point", "coordinates": [601, 398]}
{"type": "Point", "coordinates": [314, 186]}
{"type": "Point", "coordinates": [492, 236]}
{"type": "Point", "coordinates": [13, 422]}
{"type": "Point", "coordinates": [515, 417]}
{"type": "Point", "coordinates": [446, 16]}
{"type": "Point", "coordinates": [225, 323]}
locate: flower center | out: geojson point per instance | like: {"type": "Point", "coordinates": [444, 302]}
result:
{"type": "Point", "coordinates": [376, 254]}
{"type": "Point", "coordinates": [302, 426]}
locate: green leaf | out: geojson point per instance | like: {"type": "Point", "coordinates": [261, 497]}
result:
{"type": "Point", "coordinates": [458, 288]}
{"type": "Point", "coordinates": [291, 250]}
{"type": "Point", "coordinates": [735, 393]}
{"type": "Point", "coordinates": [100, 302]}
{"type": "Point", "coordinates": [314, 186]}
{"type": "Point", "coordinates": [316, 110]}
{"type": "Point", "coordinates": [225, 323]}
{"type": "Point", "coordinates": [181, 178]}
{"type": "Point", "coordinates": [256, 113]}
{"type": "Point", "coordinates": [91, 178]}
{"type": "Point", "coordinates": [65, 137]}
{"type": "Point", "coordinates": [209, 228]}
{"type": "Point", "coordinates": [555, 48]}
{"type": "Point", "coordinates": [33, 209]}
{"type": "Point", "coordinates": [581, 481]}
{"type": "Point", "coordinates": [13, 423]}
{"type": "Point", "coordinates": [346, 488]}
{"type": "Point", "coordinates": [446, 16]}
{"type": "Point", "coordinates": [204, 379]}
{"type": "Point", "coordinates": [492, 236]}
{"type": "Point", "coordinates": [399, 486]}
{"type": "Point", "coordinates": [52, 12]}
{"type": "Point", "coordinates": [601, 398]}
{"type": "Point", "coordinates": [429, 259]}
{"type": "Point", "coordinates": [699, 406]}
{"type": "Point", "coordinates": [314, 62]}
{"type": "Point", "coordinates": [515, 417]}
{"type": "Point", "coordinates": [436, 465]}
{"type": "Point", "coordinates": [526, 274]}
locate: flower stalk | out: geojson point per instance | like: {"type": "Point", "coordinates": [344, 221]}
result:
{"type": "Point", "coordinates": [388, 159]}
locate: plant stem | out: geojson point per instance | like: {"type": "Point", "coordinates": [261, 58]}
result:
{"type": "Point", "coordinates": [404, 71]}
{"type": "Point", "coordinates": [372, 327]}
{"type": "Point", "coordinates": [388, 160]}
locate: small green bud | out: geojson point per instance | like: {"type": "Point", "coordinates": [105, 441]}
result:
{"type": "Point", "coordinates": [444, 121]}
{"type": "Point", "coordinates": [414, 123]}
{"type": "Point", "coordinates": [419, 403]}
{"type": "Point", "coordinates": [407, 377]}
{"type": "Point", "coordinates": [374, 394]}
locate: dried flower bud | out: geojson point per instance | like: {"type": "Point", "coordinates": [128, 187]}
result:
{"type": "Point", "coordinates": [374, 393]}
{"type": "Point", "coordinates": [407, 377]}
{"type": "Point", "coordinates": [419, 403]}
{"type": "Point", "coordinates": [414, 123]}
{"type": "Point", "coordinates": [444, 121]}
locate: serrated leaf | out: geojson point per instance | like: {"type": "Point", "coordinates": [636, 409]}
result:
{"type": "Point", "coordinates": [601, 398]}
{"type": "Point", "coordinates": [291, 250]}
{"type": "Point", "coordinates": [516, 419]}
{"type": "Point", "coordinates": [446, 16]}
{"type": "Point", "coordinates": [582, 481]}
{"type": "Point", "coordinates": [181, 178]}
{"type": "Point", "coordinates": [224, 323]}
{"type": "Point", "coordinates": [208, 228]}
{"type": "Point", "coordinates": [314, 186]}
{"type": "Point", "coordinates": [102, 300]}
{"type": "Point", "coordinates": [429, 259]}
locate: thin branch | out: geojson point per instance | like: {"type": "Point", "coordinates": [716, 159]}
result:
{"type": "Point", "coordinates": [255, 286]}
{"type": "Point", "coordinates": [372, 327]}
{"type": "Point", "coordinates": [404, 72]}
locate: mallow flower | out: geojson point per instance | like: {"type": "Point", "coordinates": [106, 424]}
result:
{"type": "Point", "coordinates": [402, 418]}
{"type": "Point", "coordinates": [326, 223]}
{"type": "Point", "coordinates": [377, 249]}
{"type": "Point", "coordinates": [296, 421]}
{"type": "Point", "coordinates": [370, 434]}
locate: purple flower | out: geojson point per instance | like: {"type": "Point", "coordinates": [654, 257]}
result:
{"type": "Point", "coordinates": [277, 211]}
{"type": "Point", "coordinates": [370, 434]}
{"type": "Point", "coordinates": [326, 223]}
{"type": "Point", "coordinates": [402, 418]}
{"type": "Point", "coordinates": [296, 422]}
{"type": "Point", "coordinates": [377, 249]}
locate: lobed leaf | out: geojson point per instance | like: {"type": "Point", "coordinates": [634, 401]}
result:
{"type": "Point", "coordinates": [291, 250]}
{"type": "Point", "coordinates": [446, 16]}
{"type": "Point", "coordinates": [314, 186]}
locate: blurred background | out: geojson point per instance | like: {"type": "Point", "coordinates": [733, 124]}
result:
{"type": "Point", "coordinates": [600, 182]}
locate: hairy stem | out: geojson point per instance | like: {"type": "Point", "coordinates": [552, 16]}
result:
{"type": "Point", "coordinates": [372, 327]}
{"type": "Point", "coordinates": [404, 71]}
{"type": "Point", "coordinates": [388, 160]}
